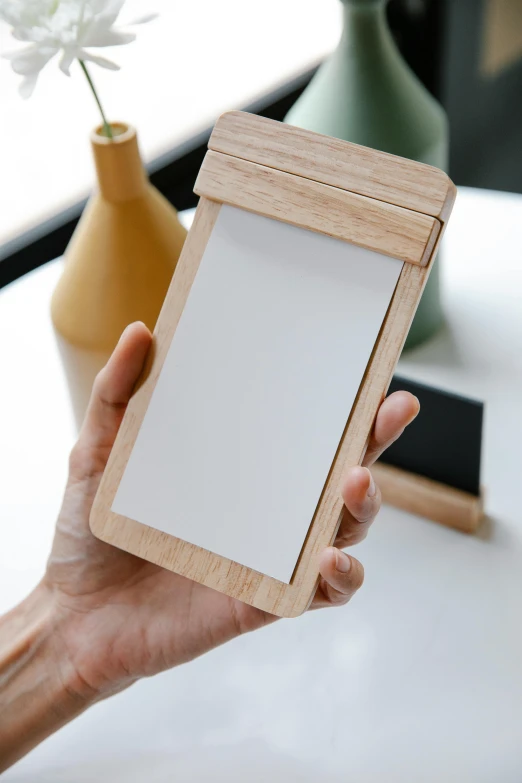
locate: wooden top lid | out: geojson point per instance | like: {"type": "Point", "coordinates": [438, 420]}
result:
{"type": "Point", "coordinates": [343, 165]}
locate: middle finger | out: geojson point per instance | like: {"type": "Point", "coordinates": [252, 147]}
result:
{"type": "Point", "coordinates": [362, 500]}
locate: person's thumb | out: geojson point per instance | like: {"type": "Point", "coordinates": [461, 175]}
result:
{"type": "Point", "coordinates": [113, 388]}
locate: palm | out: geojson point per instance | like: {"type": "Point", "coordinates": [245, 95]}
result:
{"type": "Point", "coordinates": [149, 618]}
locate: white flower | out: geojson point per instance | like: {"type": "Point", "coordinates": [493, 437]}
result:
{"type": "Point", "coordinates": [66, 27]}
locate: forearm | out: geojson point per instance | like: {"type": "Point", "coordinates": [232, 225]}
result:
{"type": "Point", "coordinates": [37, 686]}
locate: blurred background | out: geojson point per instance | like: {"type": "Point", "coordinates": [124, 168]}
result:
{"type": "Point", "coordinates": [199, 59]}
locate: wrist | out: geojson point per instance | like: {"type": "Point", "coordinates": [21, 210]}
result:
{"type": "Point", "coordinates": [40, 691]}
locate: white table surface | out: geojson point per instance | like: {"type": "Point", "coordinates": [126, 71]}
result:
{"type": "Point", "coordinates": [418, 680]}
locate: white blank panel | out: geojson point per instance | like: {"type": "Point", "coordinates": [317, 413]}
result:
{"type": "Point", "coordinates": [256, 390]}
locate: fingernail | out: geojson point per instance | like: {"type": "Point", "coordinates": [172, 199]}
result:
{"type": "Point", "coordinates": [372, 489]}
{"type": "Point", "coordinates": [342, 562]}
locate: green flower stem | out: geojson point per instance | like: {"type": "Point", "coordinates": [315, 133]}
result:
{"type": "Point", "coordinates": [106, 127]}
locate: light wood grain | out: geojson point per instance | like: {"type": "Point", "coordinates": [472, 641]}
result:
{"type": "Point", "coordinates": [371, 224]}
{"type": "Point", "coordinates": [342, 164]}
{"type": "Point", "coordinates": [198, 564]}
{"type": "Point", "coordinates": [427, 498]}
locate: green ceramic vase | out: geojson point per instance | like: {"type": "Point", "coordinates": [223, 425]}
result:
{"type": "Point", "coordinates": [366, 93]}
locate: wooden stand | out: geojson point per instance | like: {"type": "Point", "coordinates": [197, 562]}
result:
{"type": "Point", "coordinates": [427, 498]}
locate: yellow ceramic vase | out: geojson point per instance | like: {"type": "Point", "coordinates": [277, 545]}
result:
{"type": "Point", "coordinates": [118, 264]}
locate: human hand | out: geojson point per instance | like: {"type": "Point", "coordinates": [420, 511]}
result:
{"type": "Point", "coordinates": [122, 618]}
{"type": "Point", "coordinates": [102, 618]}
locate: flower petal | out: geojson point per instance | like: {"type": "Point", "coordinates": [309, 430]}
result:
{"type": "Point", "coordinates": [66, 60]}
{"type": "Point", "coordinates": [144, 19]}
{"type": "Point", "coordinates": [13, 55]}
{"type": "Point", "coordinates": [9, 13]}
{"type": "Point", "coordinates": [108, 10]}
{"type": "Point", "coordinates": [32, 35]}
{"type": "Point", "coordinates": [21, 34]}
{"type": "Point", "coordinates": [97, 35]}
{"type": "Point", "coordinates": [30, 60]}
{"type": "Point", "coordinates": [101, 61]}
{"type": "Point", "coordinates": [27, 85]}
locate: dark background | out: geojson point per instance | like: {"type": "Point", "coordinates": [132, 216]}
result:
{"type": "Point", "coordinates": [442, 40]}
{"type": "Point", "coordinates": [444, 442]}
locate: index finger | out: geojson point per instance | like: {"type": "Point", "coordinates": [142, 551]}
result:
{"type": "Point", "coordinates": [396, 412]}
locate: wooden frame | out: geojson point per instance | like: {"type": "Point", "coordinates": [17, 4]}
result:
{"type": "Point", "coordinates": [326, 185]}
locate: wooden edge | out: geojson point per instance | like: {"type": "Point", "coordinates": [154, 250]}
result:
{"type": "Point", "coordinates": [153, 545]}
{"type": "Point", "coordinates": [433, 242]}
{"type": "Point", "coordinates": [429, 499]}
{"type": "Point", "coordinates": [448, 205]}
{"type": "Point", "coordinates": [351, 167]}
{"type": "Point", "coordinates": [374, 225]}
{"type": "Point", "coordinates": [354, 440]}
